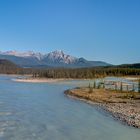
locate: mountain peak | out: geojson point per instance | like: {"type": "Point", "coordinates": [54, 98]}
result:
{"type": "Point", "coordinates": [58, 51]}
{"type": "Point", "coordinates": [60, 57]}
{"type": "Point", "coordinates": [11, 52]}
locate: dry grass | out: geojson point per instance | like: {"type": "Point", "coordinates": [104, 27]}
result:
{"type": "Point", "coordinates": [102, 95]}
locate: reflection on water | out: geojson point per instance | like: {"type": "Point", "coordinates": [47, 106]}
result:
{"type": "Point", "coordinates": [40, 111]}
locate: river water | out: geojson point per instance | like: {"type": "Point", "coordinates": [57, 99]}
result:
{"type": "Point", "coordinates": [40, 111]}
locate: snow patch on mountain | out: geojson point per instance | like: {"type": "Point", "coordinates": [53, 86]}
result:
{"type": "Point", "coordinates": [53, 59]}
{"type": "Point", "coordinates": [37, 55]}
{"type": "Point", "coordinates": [55, 56]}
{"type": "Point", "coordinates": [60, 56]}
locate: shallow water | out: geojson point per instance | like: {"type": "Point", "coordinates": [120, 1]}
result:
{"type": "Point", "coordinates": [40, 111]}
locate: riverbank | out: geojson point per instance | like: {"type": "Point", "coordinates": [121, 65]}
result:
{"type": "Point", "coordinates": [123, 106]}
{"type": "Point", "coordinates": [30, 79]}
{"type": "Point", "coordinates": [132, 79]}
{"type": "Point", "coordinates": [37, 80]}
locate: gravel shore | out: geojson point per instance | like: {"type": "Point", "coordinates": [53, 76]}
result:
{"type": "Point", "coordinates": [126, 113]}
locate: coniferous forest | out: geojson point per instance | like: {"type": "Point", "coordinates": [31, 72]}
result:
{"type": "Point", "coordinates": [88, 72]}
{"type": "Point", "coordinates": [7, 67]}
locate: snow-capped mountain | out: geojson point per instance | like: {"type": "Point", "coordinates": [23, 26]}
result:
{"type": "Point", "coordinates": [59, 56]}
{"type": "Point", "coordinates": [53, 59]}
{"type": "Point", "coordinates": [38, 55]}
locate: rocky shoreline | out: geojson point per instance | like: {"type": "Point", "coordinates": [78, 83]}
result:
{"type": "Point", "coordinates": [126, 112]}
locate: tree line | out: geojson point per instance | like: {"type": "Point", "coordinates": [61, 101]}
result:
{"type": "Point", "coordinates": [7, 67]}
{"type": "Point", "coordinates": [87, 72]}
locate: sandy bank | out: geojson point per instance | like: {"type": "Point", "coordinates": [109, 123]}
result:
{"type": "Point", "coordinates": [133, 79]}
{"type": "Point", "coordinates": [37, 80]}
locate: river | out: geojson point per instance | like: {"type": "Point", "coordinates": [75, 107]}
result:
{"type": "Point", "coordinates": [40, 111]}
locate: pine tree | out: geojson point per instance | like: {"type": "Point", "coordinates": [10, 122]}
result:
{"type": "Point", "coordinates": [89, 85]}
{"type": "Point", "coordinates": [94, 85]}
{"type": "Point", "coordinates": [115, 86]}
{"type": "Point", "coordinates": [127, 88]}
{"type": "Point", "coordinates": [139, 86]}
{"type": "Point", "coordinates": [121, 87]}
{"type": "Point", "coordinates": [104, 85]}
{"type": "Point", "coordinates": [133, 87]}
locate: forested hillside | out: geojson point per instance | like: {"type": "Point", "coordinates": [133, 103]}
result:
{"type": "Point", "coordinates": [88, 72]}
{"type": "Point", "coordinates": [7, 67]}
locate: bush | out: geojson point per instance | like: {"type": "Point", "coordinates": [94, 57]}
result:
{"type": "Point", "coordinates": [90, 90]}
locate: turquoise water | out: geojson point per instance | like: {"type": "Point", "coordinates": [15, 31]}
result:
{"type": "Point", "coordinates": [40, 111]}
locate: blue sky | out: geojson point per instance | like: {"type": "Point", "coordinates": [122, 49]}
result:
{"type": "Point", "coordinates": [107, 30]}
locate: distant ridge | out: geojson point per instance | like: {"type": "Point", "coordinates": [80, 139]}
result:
{"type": "Point", "coordinates": [135, 65]}
{"type": "Point", "coordinates": [53, 59]}
{"type": "Point", "coordinates": [8, 67]}
{"type": "Point", "coordinates": [7, 63]}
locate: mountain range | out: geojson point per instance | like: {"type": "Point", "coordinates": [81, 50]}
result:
{"type": "Point", "coordinates": [53, 59]}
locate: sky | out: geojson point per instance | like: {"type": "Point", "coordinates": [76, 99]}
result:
{"type": "Point", "coordinates": [106, 30]}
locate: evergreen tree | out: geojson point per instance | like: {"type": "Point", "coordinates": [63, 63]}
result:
{"type": "Point", "coordinates": [89, 85]}
{"type": "Point", "coordinates": [139, 86]}
{"type": "Point", "coordinates": [94, 85]}
{"type": "Point", "coordinates": [115, 86]}
{"type": "Point", "coordinates": [121, 87]}
{"type": "Point", "coordinates": [127, 88]}
{"type": "Point", "coordinates": [133, 87]}
{"type": "Point", "coordinates": [104, 85]}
